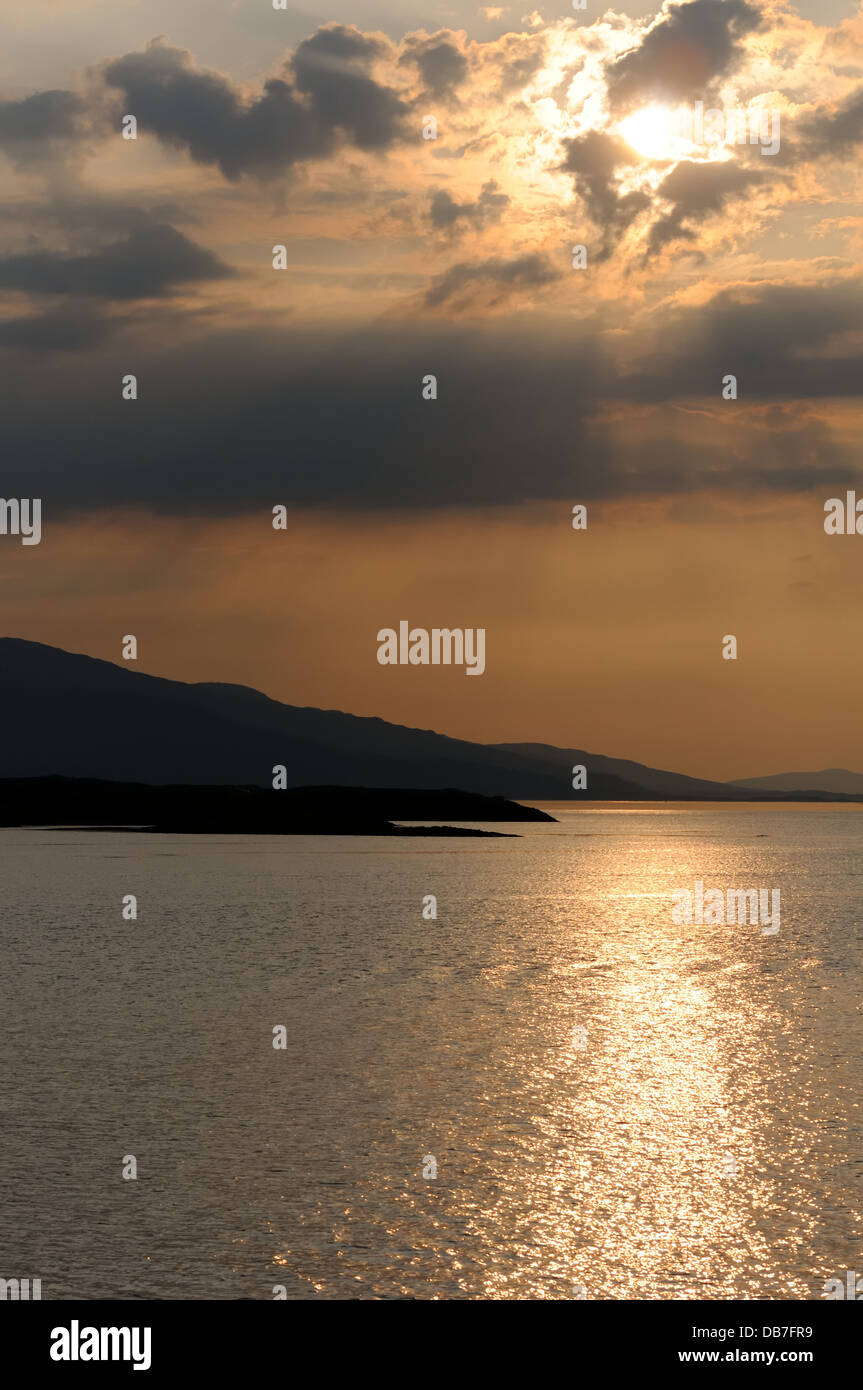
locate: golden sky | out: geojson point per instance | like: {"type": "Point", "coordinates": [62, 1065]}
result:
{"type": "Point", "coordinates": [557, 385]}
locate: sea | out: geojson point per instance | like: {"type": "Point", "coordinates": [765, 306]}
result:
{"type": "Point", "coordinates": [424, 1068]}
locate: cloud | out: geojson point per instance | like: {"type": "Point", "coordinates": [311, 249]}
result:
{"type": "Point", "coordinates": [442, 65]}
{"type": "Point", "coordinates": [446, 214]}
{"type": "Point", "coordinates": [687, 48]}
{"type": "Point", "coordinates": [526, 409]}
{"type": "Point", "coordinates": [782, 341]}
{"type": "Point", "coordinates": [324, 96]}
{"type": "Point", "coordinates": [514, 60]}
{"type": "Point", "coordinates": [152, 261]}
{"type": "Point", "coordinates": [35, 126]}
{"type": "Point", "coordinates": [594, 159]}
{"type": "Point", "coordinates": [202, 113]}
{"type": "Point", "coordinates": [76, 212]}
{"type": "Point", "coordinates": [330, 68]}
{"type": "Point", "coordinates": [697, 190]}
{"type": "Point", "coordinates": [489, 284]}
{"type": "Point", "coordinates": [835, 131]}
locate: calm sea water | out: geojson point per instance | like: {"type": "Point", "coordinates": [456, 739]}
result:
{"type": "Point", "coordinates": [700, 1138]}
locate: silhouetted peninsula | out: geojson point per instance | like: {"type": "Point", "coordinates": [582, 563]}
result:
{"type": "Point", "coordinates": [248, 810]}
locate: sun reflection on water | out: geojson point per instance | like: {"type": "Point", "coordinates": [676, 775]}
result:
{"type": "Point", "coordinates": [619, 1105]}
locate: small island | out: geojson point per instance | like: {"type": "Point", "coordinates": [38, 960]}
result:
{"type": "Point", "coordinates": [180, 809]}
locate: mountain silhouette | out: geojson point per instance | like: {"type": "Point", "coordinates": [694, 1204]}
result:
{"type": "Point", "coordinates": [76, 716]}
{"type": "Point", "coordinates": [830, 779]}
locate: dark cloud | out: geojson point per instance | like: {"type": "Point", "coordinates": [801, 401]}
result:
{"type": "Point", "coordinates": [43, 116]}
{"type": "Point", "coordinates": [782, 341]}
{"type": "Point", "coordinates": [236, 423]}
{"type": "Point", "coordinates": [442, 66]}
{"type": "Point", "coordinates": [325, 96]}
{"type": "Point", "coordinates": [150, 262]}
{"type": "Point", "coordinates": [593, 159]}
{"type": "Point", "coordinates": [446, 215]}
{"type": "Point", "coordinates": [202, 113]}
{"type": "Point", "coordinates": [696, 190]}
{"type": "Point", "coordinates": [836, 131]}
{"type": "Point", "coordinates": [330, 69]}
{"type": "Point", "coordinates": [90, 217]}
{"type": "Point", "coordinates": [39, 125]}
{"type": "Point", "coordinates": [688, 47]}
{"type": "Point", "coordinates": [490, 283]}
{"type": "Point", "coordinates": [240, 422]}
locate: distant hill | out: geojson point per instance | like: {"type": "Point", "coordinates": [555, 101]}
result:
{"type": "Point", "coordinates": [75, 716]}
{"type": "Point", "coordinates": [651, 779]}
{"type": "Point", "coordinates": [831, 779]}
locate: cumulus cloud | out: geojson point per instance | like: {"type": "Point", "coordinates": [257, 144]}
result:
{"type": "Point", "coordinates": [330, 68]}
{"type": "Point", "coordinates": [342, 90]}
{"type": "Point", "coordinates": [683, 52]}
{"type": "Point", "coordinates": [442, 64]}
{"type": "Point", "coordinates": [324, 96]}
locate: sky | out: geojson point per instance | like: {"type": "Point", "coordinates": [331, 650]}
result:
{"type": "Point", "coordinates": [559, 382]}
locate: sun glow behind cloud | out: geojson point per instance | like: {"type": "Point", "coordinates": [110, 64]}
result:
{"type": "Point", "coordinates": [703, 257]}
{"type": "Point", "coordinates": [568, 98]}
{"type": "Point", "coordinates": [659, 132]}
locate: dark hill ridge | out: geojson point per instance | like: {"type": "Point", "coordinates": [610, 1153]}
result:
{"type": "Point", "coordinates": [76, 716]}
{"type": "Point", "coordinates": [649, 779]}
{"type": "Point", "coordinates": [214, 810]}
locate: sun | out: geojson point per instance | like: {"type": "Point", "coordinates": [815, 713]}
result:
{"type": "Point", "coordinates": [657, 132]}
